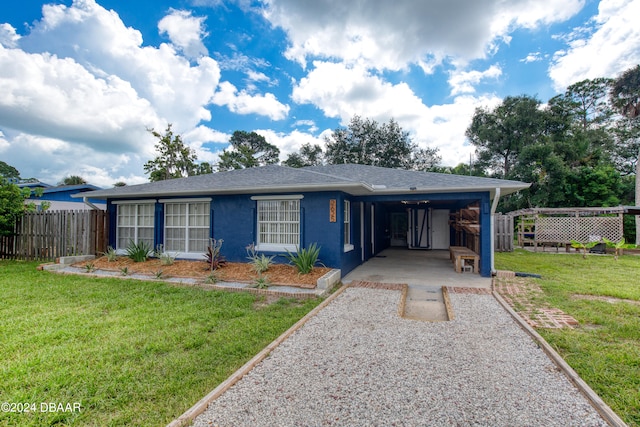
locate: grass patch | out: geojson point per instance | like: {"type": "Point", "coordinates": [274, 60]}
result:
{"type": "Point", "coordinates": [605, 349]}
{"type": "Point", "coordinates": [130, 352]}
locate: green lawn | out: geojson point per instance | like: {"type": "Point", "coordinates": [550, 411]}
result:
{"type": "Point", "coordinates": [129, 352]}
{"type": "Point", "coordinates": [605, 349]}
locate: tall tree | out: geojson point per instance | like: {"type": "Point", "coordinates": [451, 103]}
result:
{"type": "Point", "coordinates": [366, 142]}
{"type": "Point", "coordinates": [500, 134]}
{"type": "Point", "coordinates": [425, 159]}
{"type": "Point", "coordinates": [308, 155]}
{"type": "Point", "coordinates": [8, 171]}
{"type": "Point", "coordinates": [625, 96]}
{"type": "Point", "coordinates": [174, 159]}
{"type": "Point", "coordinates": [11, 205]}
{"type": "Point", "coordinates": [248, 149]}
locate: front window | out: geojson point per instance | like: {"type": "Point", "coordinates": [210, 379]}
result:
{"type": "Point", "coordinates": [186, 227]}
{"type": "Point", "coordinates": [278, 224]}
{"type": "Point", "coordinates": [135, 223]}
{"type": "Point", "coordinates": [347, 226]}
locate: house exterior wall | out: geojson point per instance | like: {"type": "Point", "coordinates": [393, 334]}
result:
{"type": "Point", "coordinates": [233, 218]}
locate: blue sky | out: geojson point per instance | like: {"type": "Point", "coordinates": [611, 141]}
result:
{"type": "Point", "coordinates": [82, 81]}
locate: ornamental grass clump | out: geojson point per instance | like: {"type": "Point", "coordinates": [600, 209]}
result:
{"type": "Point", "coordinates": [305, 259]}
{"type": "Point", "coordinates": [138, 252]}
{"type": "Point", "coordinates": [111, 254]}
{"type": "Point", "coordinates": [260, 263]}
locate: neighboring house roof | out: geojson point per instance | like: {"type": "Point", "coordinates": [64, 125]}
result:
{"type": "Point", "coordinates": [352, 179]}
{"type": "Point", "coordinates": [32, 184]}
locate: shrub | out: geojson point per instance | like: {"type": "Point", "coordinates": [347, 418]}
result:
{"type": "Point", "coordinates": [111, 254]}
{"type": "Point", "coordinates": [261, 282]}
{"type": "Point", "coordinates": [261, 263]}
{"type": "Point", "coordinates": [214, 258]}
{"type": "Point", "coordinates": [138, 252]}
{"type": "Point", "coordinates": [304, 259]}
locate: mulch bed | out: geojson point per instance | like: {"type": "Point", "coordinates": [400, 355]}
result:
{"type": "Point", "coordinates": [277, 274]}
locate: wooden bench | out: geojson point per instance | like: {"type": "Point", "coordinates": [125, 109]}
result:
{"type": "Point", "coordinates": [459, 254]}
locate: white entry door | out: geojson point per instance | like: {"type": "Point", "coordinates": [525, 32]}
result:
{"type": "Point", "coordinates": [440, 234]}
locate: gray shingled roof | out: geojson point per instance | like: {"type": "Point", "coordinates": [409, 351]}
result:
{"type": "Point", "coordinates": [350, 178]}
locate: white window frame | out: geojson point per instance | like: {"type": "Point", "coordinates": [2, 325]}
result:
{"type": "Point", "coordinates": [136, 226]}
{"type": "Point", "coordinates": [348, 244]}
{"type": "Point", "coordinates": [283, 225]}
{"type": "Point", "coordinates": [188, 251]}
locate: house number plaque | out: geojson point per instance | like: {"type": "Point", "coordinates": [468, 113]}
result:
{"type": "Point", "coordinates": [332, 210]}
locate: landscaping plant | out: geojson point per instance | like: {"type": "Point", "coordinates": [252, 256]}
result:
{"type": "Point", "coordinates": [261, 282]}
{"type": "Point", "coordinates": [583, 246]}
{"type": "Point", "coordinates": [165, 257]}
{"type": "Point", "coordinates": [261, 262]}
{"type": "Point", "coordinates": [305, 259]}
{"type": "Point", "coordinates": [111, 254]}
{"type": "Point", "coordinates": [138, 252]}
{"type": "Point", "coordinates": [213, 255]}
{"type": "Point", "coordinates": [616, 246]}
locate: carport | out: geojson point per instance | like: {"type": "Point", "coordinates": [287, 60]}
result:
{"type": "Point", "coordinates": [421, 223]}
{"type": "Point", "coordinates": [417, 268]}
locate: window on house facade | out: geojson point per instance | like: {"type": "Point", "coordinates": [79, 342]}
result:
{"type": "Point", "coordinates": [135, 223]}
{"type": "Point", "coordinates": [186, 227]}
{"type": "Point", "coordinates": [348, 245]}
{"type": "Point", "coordinates": [278, 224]}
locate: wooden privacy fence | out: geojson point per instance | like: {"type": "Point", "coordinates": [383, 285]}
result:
{"type": "Point", "coordinates": [53, 234]}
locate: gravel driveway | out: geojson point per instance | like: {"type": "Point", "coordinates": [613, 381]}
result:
{"type": "Point", "coordinates": [357, 363]}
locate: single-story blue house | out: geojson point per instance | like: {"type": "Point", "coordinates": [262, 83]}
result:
{"type": "Point", "coordinates": [351, 211]}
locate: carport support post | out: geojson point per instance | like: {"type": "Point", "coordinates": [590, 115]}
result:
{"type": "Point", "coordinates": [494, 205]}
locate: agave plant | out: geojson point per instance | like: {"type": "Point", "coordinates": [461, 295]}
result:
{"type": "Point", "coordinates": [304, 259]}
{"type": "Point", "coordinates": [138, 252]}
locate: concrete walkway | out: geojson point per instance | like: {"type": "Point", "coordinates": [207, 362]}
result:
{"type": "Point", "coordinates": [415, 268]}
{"type": "Point", "coordinates": [425, 272]}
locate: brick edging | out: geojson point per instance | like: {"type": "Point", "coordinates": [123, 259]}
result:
{"type": "Point", "coordinates": [596, 401]}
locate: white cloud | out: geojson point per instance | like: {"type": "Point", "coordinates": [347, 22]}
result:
{"type": "Point", "coordinates": [81, 76]}
{"type": "Point", "coordinates": [185, 32]}
{"type": "Point", "coordinates": [343, 92]}
{"type": "Point", "coordinates": [50, 96]}
{"type": "Point", "coordinates": [464, 81]}
{"type": "Point", "coordinates": [387, 35]}
{"type": "Point", "coordinates": [613, 37]}
{"type": "Point", "coordinates": [99, 41]}
{"type": "Point", "coordinates": [532, 57]}
{"type": "Point", "coordinates": [243, 102]}
{"type": "Point", "coordinates": [51, 160]}
{"type": "Point", "coordinates": [289, 143]}
{"type": "Point", "coordinates": [201, 135]}
{"type": "Point", "coordinates": [8, 36]}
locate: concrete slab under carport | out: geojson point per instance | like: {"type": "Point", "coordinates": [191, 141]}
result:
{"type": "Point", "coordinates": [420, 268]}
{"type": "Point", "coordinates": [426, 272]}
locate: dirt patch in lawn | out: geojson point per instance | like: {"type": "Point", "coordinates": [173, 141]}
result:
{"type": "Point", "coordinates": [277, 274]}
{"type": "Point", "coordinates": [610, 300]}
